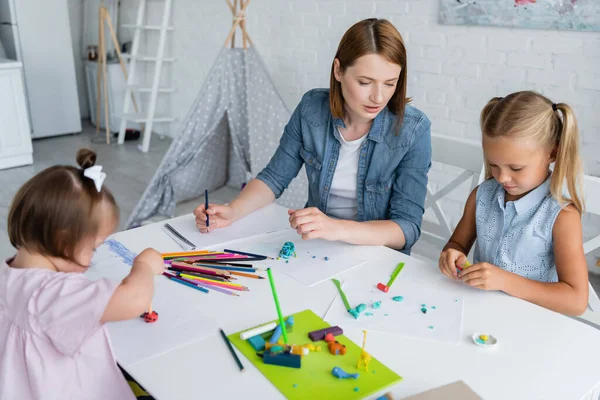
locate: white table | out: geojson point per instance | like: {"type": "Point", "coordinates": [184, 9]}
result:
{"type": "Point", "coordinates": [541, 354]}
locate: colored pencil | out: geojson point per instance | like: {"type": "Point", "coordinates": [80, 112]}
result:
{"type": "Point", "coordinates": [190, 253]}
{"type": "Point", "coordinates": [185, 270]}
{"type": "Point", "coordinates": [217, 289]}
{"type": "Point", "coordinates": [214, 277]}
{"type": "Point", "coordinates": [228, 264]}
{"type": "Point", "coordinates": [226, 285]}
{"type": "Point", "coordinates": [235, 357]}
{"type": "Point", "coordinates": [214, 259]}
{"type": "Point", "coordinates": [206, 207]}
{"type": "Point", "coordinates": [206, 286]}
{"type": "Point", "coordinates": [281, 321]}
{"type": "Point", "coordinates": [204, 270]}
{"type": "Point", "coordinates": [178, 280]}
{"type": "Point", "coordinates": [198, 278]}
{"type": "Point", "coordinates": [247, 275]}
{"type": "Point", "coordinates": [249, 254]}
{"type": "Point", "coordinates": [224, 268]}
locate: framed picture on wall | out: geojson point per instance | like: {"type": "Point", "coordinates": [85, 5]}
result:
{"type": "Point", "coordinates": [576, 15]}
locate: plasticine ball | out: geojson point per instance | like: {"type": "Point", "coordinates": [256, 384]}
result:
{"type": "Point", "coordinates": [329, 337]}
{"type": "Point", "coordinates": [150, 317]}
{"type": "Point", "coordinates": [484, 337]}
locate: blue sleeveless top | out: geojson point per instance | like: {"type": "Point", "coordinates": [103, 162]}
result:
{"type": "Point", "coordinates": [517, 236]}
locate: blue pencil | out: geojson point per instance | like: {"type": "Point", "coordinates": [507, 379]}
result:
{"type": "Point", "coordinates": [225, 268]}
{"type": "Point", "coordinates": [206, 206]}
{"type": "Point", "coordinates": [188, 284]}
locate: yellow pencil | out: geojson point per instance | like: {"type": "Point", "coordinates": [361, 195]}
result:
{"type": "Point", "coordinates": [233, 285]}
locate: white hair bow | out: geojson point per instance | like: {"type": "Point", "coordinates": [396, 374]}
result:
{"type": "Point", "coordinates": [95, 173]}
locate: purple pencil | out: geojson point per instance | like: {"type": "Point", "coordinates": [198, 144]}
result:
{"type": "Point", "coordinates": [211, 287]}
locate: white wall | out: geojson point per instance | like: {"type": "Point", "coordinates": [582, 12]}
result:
{"type": "Point", "coordinates": [453, 70]}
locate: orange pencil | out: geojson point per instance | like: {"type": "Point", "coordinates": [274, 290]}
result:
{"type": "Point", "coordinates": [246, 275]}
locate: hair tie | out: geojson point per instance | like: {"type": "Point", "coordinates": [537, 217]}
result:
{"type": "Point", "coordinates": [95, 173]}
{"type": "Point", "coordinates": [554, 108]}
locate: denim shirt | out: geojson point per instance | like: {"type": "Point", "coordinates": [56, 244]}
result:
{"type": "Point", "coordinates": [392, 169]}
{"type": "Point", "coordinates": [517, 236]}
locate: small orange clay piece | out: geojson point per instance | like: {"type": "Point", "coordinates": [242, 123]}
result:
{"type": "Point", "coordinates": [335, 347]}
{"type": "Point", "coordinates": [150, 317]}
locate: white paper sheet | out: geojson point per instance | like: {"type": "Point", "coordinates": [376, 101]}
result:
{"type": "Point", "coordinates": [268, 219]}
{"type": "Point", "coordinates": [442, 322]}
{"type": "Point", "coordinates": [173, 329]}
{"type": "Point", "coordinates": [309, 266]}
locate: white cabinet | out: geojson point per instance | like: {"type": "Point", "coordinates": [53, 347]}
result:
{"type": "Point", "coordinates": [15, 139]}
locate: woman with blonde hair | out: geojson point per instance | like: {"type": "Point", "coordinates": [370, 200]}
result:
{"type": "Point", "coordinates": [527, 232]}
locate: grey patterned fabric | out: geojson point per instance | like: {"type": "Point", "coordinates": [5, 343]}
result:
{"type": "Point", "coordinates": [229, 135]}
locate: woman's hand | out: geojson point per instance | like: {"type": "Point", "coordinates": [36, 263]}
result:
{"type": "Point", "coordinates": [484, 276]}
{"type": "Point", "coordinates": [312, 223]}
{"type": "Point", "coordinates": [219, 216]}
{"type": "Point", "coordinates": [450, 260]}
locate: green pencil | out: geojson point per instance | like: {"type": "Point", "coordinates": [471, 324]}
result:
{"type": "Point", "coordinates": [281, 321]}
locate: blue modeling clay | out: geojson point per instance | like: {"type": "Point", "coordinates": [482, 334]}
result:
{"type": "Point", "coordinates": [376, 305]}
{"type": "Point", "coordinates": [288, 250]}
{"type": "Point", "coordinates": [397, 298]}
{"type": "Point", "coordinates": [341, 374]}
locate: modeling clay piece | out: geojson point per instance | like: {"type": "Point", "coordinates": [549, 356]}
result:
{"type": "Point", "coordinates": [288, 250]}
{"type": "Point", "coordinates": [376, 305]}
{"type": "Point", "coordinates": [424, 310]}
{"type": "Point", "coordinates": [283, 359]}
{"type": "Point", "coordinates": [326, 258]}
{"type": "Point", "coordinates": [365, 358]}
{"type": "Point", "coordinates": [329, 338]}
{"type": "Point", "coordinates": [335, 347]}
{"type": "Point", "coordinates": [299, 350]}
{"type": "Point", "coordinates": [258, 330]}
{"type": "Point", "coordinates": [369, 314]}
{"type": "Point", "coordinates": [397, 298]}
{"type": "Point", "coordinates": [150, 317]}
{"type": "Point", "coordinates": [341, 374]}
{"type": "Point", "coordinates": [485, 340]}
{"type": "Point", "coordinates": [315, 336]}
{"type": "Point", "coordinates": [276, 334]}
{"type": "Point", "coordinates": [357, 310]}
{"type": "Point", "coordinates": [386, 288]}
{"type": "Point", "coordinates": [257, 343]}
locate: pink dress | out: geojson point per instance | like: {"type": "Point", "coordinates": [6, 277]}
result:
{"type": "Point", "coordinates": [53, 345]}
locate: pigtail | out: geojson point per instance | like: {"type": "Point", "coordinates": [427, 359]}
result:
{"type": "Point", "coordinates": [484, 124]}
{"type": "Point", "coordinates": [567, 166]}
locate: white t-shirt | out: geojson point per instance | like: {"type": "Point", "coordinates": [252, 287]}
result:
{"type": "Point", "coordinates": [342, 196]}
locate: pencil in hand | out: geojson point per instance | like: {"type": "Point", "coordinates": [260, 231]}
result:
{"type": "Point", "coordinates": [206, 207]}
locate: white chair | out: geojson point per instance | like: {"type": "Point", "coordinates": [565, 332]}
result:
{"type": "Point", "coordinates": [592, 205]}
{"type": "Point", "coordinates": [455, 153]}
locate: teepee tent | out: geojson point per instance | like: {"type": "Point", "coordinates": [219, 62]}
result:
{"type": "Point", "coordinates": [229, 134]}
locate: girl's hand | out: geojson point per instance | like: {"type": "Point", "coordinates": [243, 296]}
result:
{"type": "Point", "coordinates": [484, 276]}
{"type": "Point", "coordinates": [219, 216]}
{"type": "Point", "coordinates": [151, 258]}
{"type": "Point", "coordinates": [449, 260]}
{"type": "Point", "coordinates": [312, 223]}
